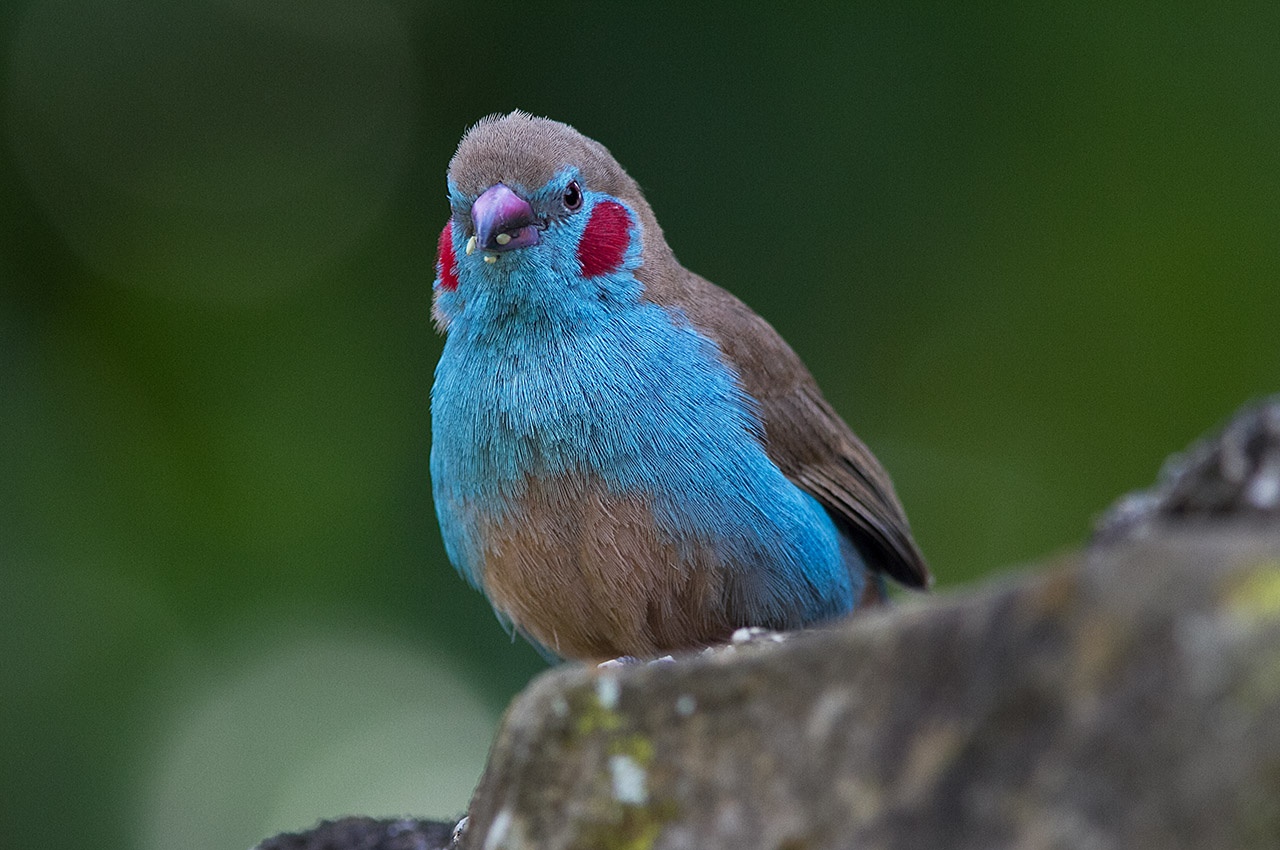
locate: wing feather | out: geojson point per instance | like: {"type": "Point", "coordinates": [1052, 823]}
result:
{"type": "Point", "coordinates": [804, 435]}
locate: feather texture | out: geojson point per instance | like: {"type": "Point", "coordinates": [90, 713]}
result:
{"type": "Point", "coordinates": [626, 458]}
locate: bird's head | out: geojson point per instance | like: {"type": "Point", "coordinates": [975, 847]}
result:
{"type": "Point", "coordinates": [542, 217]}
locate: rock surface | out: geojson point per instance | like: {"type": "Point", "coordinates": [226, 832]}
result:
{"type": "Point", "coordinates": [1234, 473]}
{"type": "Point", "coordinates": [358, 833]}
{"type": "Point", "coordinates": [1126, 697]}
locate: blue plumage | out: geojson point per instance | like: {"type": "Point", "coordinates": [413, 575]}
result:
{"type": "Point", "coordinates": [572, 414]}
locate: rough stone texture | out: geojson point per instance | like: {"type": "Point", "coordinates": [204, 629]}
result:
{"type": "Point", "coordinates": [1233, 473]}
{"type": "Point", "coordinates": [1126, 697]}
{"type": "Point", "coordinates": [366, 834]}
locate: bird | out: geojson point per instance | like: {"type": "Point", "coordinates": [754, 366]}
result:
{"type": "Point", "coordinates": [625, 458]}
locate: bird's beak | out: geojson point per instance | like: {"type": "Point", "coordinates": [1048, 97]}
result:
{"type": "Point", "coordinates": [503, 221]}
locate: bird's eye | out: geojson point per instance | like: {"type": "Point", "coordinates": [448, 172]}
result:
{"type": "Point", "coordinates": [572, 197]}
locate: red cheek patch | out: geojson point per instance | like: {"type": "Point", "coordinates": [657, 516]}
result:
{"type": "Point", "coordinates": [605, 240]}
{"type": "Point", "coordinates": [446, 262]}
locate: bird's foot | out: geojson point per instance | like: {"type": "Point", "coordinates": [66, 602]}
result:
{"type": "Point", "coordinates": [627, 660]}
{"type": "Point", "coordinates": [747, 634]}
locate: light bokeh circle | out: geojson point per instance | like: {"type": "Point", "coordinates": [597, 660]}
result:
{"type": "Point", "coordinates": [298, 727]}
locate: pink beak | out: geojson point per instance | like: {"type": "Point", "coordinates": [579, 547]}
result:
{"type": "Point", "coordinates": [503, 220]}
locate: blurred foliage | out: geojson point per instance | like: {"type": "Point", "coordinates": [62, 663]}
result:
{"type": "Point", "coordinates": [1027, 250]}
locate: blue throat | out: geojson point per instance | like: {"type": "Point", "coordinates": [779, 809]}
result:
{"type": "Point", "coordinates": [546, 374]}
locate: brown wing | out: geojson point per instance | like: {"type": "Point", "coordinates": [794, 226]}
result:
{"type": "Point", "coordinates": [805, 437]}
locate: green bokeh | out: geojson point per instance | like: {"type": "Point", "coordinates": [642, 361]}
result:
{"type": "Point", "coordinates": [1027, 251]}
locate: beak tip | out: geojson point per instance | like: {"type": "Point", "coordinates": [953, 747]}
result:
{"type": "Point", "coordinates": [503, 220]}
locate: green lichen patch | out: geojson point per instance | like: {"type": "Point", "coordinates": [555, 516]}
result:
{"type": "Point", "coordinates": [609, 823]}
{"type": "Point", "coordinates": [1254, 597]}
{"type": "Point", "coordinates": [635, 745]}
{"type": "Point", "coordinates": [627, 827]}
{"type": "Point", "coordinates": [590, 716]}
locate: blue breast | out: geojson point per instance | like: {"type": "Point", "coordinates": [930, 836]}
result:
{"type": "Point", "coordinates": [544, 374]}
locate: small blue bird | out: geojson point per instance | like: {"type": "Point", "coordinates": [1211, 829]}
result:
{"type": "Point", "coordinates": [625, 458]}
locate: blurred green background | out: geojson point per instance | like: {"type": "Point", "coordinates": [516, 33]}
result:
{"type": "Point", "coordinates": [1028, 251]}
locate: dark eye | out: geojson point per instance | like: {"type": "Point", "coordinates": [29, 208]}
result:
{"type": "Point", "coordinates": [572, 197]}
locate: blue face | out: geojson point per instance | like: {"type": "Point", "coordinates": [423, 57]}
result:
{"type": "Point", "coordinates": [542, 284]}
